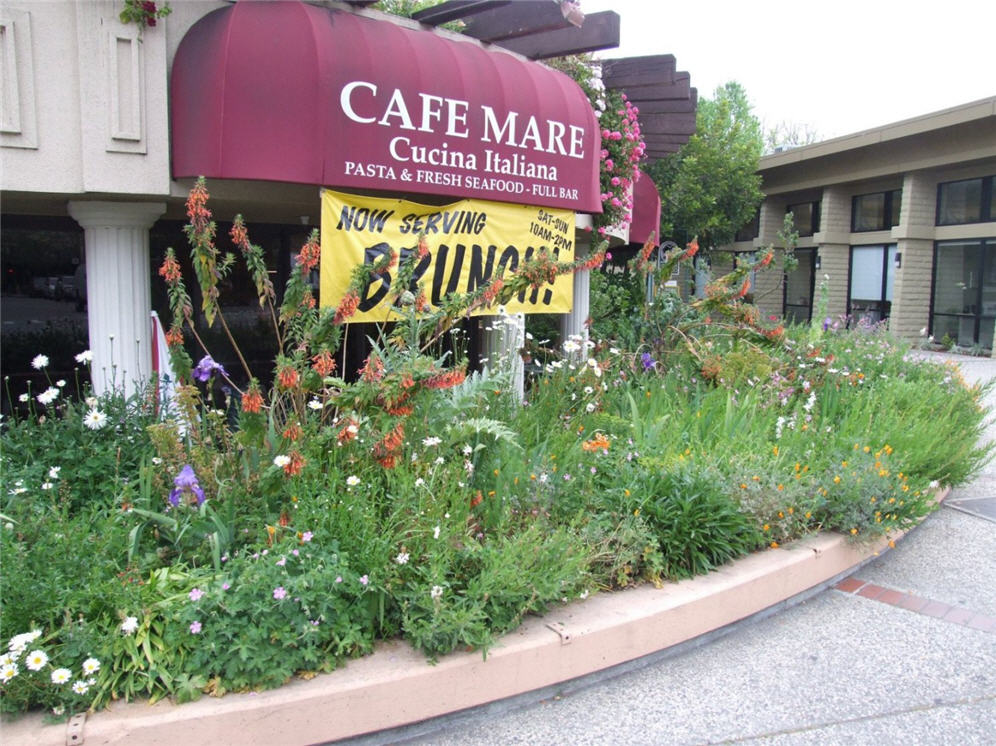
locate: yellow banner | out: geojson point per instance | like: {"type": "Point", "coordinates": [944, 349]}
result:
{"type": "Point", "coordinates": [469, 242]}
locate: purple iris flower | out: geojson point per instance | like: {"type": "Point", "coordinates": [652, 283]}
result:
{"type": "Point", "coordinates": [648, 361]}
{"type": "Point", "coordinates": [186, 482]}
{"type": "Point", "coordinates": [206, 368]}
{"type": "Point", "coordinates": [826, 323]}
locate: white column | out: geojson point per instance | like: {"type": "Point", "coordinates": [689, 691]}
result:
{"type": "Point", "coordinates": [574, 324]}
{"type": "Point", "coordinates": [116, 235]}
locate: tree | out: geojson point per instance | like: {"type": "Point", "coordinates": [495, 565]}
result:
{"type": "Point", "coordinates": [787, 135]}
{"type": "Point", "coordinates": [710, 188]}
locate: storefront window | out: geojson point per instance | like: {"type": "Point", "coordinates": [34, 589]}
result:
{"type": "Point", "coordinates": [43, 303]}
{"type": "Point", "coordinates": [798, 301]}
{"type": "Point", "coordinates": [872, 271]}
{"type": "Point", "coordinates": [964, 298]}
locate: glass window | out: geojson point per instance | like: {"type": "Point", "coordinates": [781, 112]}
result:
{"type": "Point", "coordinates": [868, 213]}
{"type": "Point", "coordinates": [959, 202]}
{"type": "Point", "coordinates": [805, 217]}
{"type": "Point", "coordinates": [876, 212]}
{"type": "Point", "coordinates": [751, 230]}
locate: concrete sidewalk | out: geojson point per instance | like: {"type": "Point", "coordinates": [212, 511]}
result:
{"type": "Point", "coordinates": [903, 651]}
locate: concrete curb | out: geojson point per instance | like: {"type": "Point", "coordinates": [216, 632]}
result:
{"type": "Point", "coordinates": [396, 686]}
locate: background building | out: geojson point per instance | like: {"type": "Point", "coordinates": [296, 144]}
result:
{"type": "Point", "coordinates": [899, 221]}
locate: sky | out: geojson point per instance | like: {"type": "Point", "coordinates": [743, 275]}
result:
{"type": "Point", "coordinates": [833, 68]}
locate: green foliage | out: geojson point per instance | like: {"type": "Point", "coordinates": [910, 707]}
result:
{"type": "Point", "coordinates": [710, 187]}
{"type": "Point", "coordinates": [698, 527]}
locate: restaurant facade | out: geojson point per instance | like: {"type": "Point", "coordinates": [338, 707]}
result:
{"type": "Point", "coordinates": [107, 125]}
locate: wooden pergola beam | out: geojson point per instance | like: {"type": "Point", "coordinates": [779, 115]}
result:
{"type": "Point", "coordinates": [600, 31]}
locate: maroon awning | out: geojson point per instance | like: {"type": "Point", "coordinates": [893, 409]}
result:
{"type": "Point", "coordinates": [286, 91]}
{"type": "Point", "coordinates": [646, 211]}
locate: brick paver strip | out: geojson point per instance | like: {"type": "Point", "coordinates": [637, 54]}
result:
{"type": "Point", "coordinates": [849, 585]}
{"type": "Point", "coordinates": [871, 591]}
{"type": "Point", "coordinates": [920, 605]}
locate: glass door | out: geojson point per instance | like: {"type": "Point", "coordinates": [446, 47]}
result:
{"type": "Point", "coordinates": [797, 305]}
{"type": "Point", "coordinates": [872, 274]}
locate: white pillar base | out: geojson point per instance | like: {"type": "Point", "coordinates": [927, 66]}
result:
{"type": "Point", "coordinates": [504, 336]}
{"type": "Point", "coordinates": [117, 290]}
{"type": "Point", "coordinates": [575, 323]}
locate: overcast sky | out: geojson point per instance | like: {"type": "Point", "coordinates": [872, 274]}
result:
{"type": "Point", "coordinates": [837, 67]}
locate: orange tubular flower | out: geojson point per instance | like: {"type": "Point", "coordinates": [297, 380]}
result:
{"type": "Point", "coordinates": [445, 380]}
{"type": "Point", "coordinates": [174, 337]}
{"type": "Point", "coordinates": [692, 248]}
{"type": "Point", "coordinates": [196, 206]}
{"type": "Point", "coordinates": [743, 289]}
{"type": "Point", "coordinates": [296, 464]}
{"type": "Point", "coordinates": [372, 370]}
{"type": "Point", "coordinates": [386, 449]}
{"type": "Point", "coordinates": [252, 400]}
{"type": "Point", "coordinates": [308, 257]}
{"type": "Point", "coordinates": [491, 292]}
{"type": "Point", "coordinates": [323, 363]}
{"type": "Point", "coordinates": [347, 307]}
{"type": "Point", "coordinates": [287, 377]}
{"type": "Point", "coordinates": [421, 302]}
{"type": "Point", "coordinates": [348, 432]}
{"type": "Point", "coordinates": [170, 269]}
{"type": "Point", "coordinates": [292, 432]}
{"type": "Point", "coordinates": [239, 234]}
{"type": "Point", "coordinates": [767, 259]}
{"type": "Point", "coordinates": [598, 443]}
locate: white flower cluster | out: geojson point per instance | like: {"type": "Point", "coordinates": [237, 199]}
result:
{"type": "Point", "coordinates": [36, 660]}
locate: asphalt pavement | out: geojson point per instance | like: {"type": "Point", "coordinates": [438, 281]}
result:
{"type": "Point", "coordinates": [901, 651]}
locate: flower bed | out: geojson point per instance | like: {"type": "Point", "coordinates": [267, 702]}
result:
{"type": "Point", "coordinates": [236, 540]}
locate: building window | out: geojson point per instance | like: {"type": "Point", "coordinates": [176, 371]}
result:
{"type": "Point", "coordinates": [876, 212]}
{"type": "Point", "coordinates": [964, 295]}
{"type": "Point", "coordinates": [797, 304]}
{"type": "Point", "coordinates": [750, 231]}
{"type": "Point", "coordinates": [966, 201]}
{"type": "Point", "coordinates": [805, 217]}
{"type": "Point", "coordinates": [872, 272]}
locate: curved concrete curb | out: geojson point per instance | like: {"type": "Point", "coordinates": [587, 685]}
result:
{"type": "Point", "coordinates": [396, 686]}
